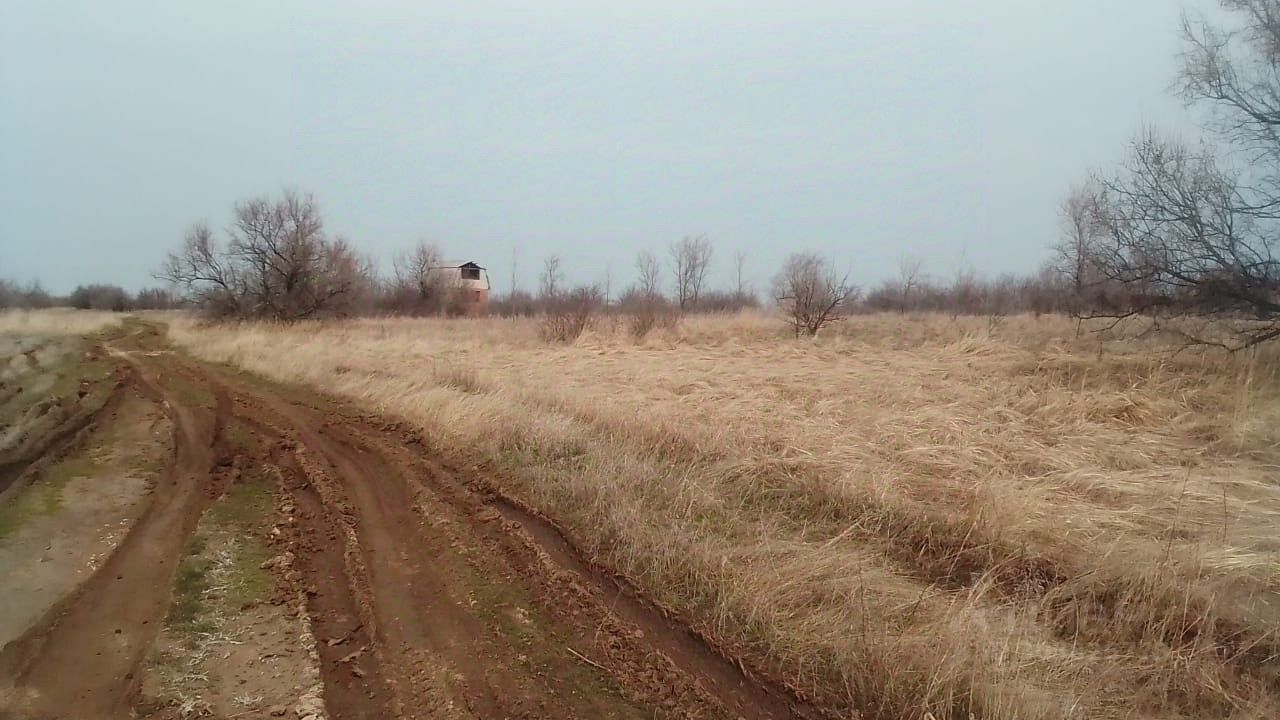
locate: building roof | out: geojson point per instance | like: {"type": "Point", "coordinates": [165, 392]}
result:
{"type": "Point", "coordinates": [445, 264]}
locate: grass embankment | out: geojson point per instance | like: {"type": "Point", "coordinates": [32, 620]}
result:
{"type": "Point", "coordinates": [909, 515]}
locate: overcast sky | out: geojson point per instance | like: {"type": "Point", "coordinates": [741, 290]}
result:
{"type": "Point", "coordinates": [944, 129]}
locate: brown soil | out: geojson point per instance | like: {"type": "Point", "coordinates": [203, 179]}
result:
{"type": "Point", "coordinates": [73, 516]}
{"type": "Point", "coordinates": [429, 595]}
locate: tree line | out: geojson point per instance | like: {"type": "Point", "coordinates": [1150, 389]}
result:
{"type": "Point", "coordinates": [114, 298]}
{"type": "Point", "coordinates": [1177, 230]}
{"type": "Point", "coordinates": [276, 261]}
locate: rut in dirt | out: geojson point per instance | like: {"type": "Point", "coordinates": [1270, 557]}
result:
{"type": "Point", "coordinates": [82, 660]}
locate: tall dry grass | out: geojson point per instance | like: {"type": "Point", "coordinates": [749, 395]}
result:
{"type": "Point", "coordinates": [911, 515]}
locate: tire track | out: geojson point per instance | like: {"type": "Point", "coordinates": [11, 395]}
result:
{"type": "Point", "coordinates": [82, 661]}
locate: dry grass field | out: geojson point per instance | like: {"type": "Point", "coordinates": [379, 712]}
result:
{"type": "Point", "coordinates": [908, 516]}
{"type": "Point", "coordinates": [55, 322]}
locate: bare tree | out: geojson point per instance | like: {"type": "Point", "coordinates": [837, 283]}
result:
{"type": "Point", "coordinates": [740, 287]}
{"type": "Point", "coordinates": [203, 269]}
{"type": "Point", "coordinates": [100, 297]}
{"type": "Point", "coordinates": [156, 299]}
{"type": "Point", "coordinates": [811, 293]}
{"type": "Point", "coordinates": [1178, 230]}
{"type": "Point", "coordinates": [552, 278]}
{"type": "Point", "coordinates": [910, 278]}
{"type": "Point", "coordinates": [418, 285]}
{"type": "Point", "coordinates": [643, 302]}
{"type": "Point", "coordinates": [608, 283]}
{"type": "Point", "coordinates": [277, 263]}
{"type": "Point", "coordinates": [649, 274]}
{"type": "Point", "coordinates": [1175, 232]}
{"type": "Point", "coordinates": [1078, 213]}
{"type": "Point", "coordinates": [690, 260]}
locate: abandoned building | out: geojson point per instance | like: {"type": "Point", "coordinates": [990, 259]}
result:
{"type": "Point", "coordinates": [471, 283]}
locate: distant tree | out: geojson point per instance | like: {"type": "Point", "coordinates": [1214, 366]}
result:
{"type": "Point", "coordinates": [726, 301]}
{"type": "Point", "coordinates": [965, 292]}
{"type": "Point", "coordinates": [417, 286]}
{"type": "Point", "coordinates": [277, 264]}
{"type": "Point", "coordinates": [1078, 214]}
{"type": "Point", "coordinates": [100, 297]}
{"type": "Point", "coordinates": [910, 277]}
{"type": "Point", "coordinates": [519, 303]}
{"type": "Point", "coordinates": [551, 280]}
{"type": "Point", "coordinates": [649, 274]}
{"type": "Point", "coordinates": [643, 302]}
{"type": "Point", "coordinates": [690, 261]}
{"type": "Point", "coordinates": [156, 299]}
{"type": "Point", "coordinates": [810, 292]}
{"type": "Point", "coordinates": [31, 295]}
{"type": "Point", "coordinates": [741, 288]}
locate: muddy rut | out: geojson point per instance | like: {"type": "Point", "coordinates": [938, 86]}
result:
{"type": "Point", "coordinates": [429, 594]}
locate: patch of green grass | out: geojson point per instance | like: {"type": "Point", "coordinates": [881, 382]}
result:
{"type": "Point", "coordinates": [12, 516]}
{"type": "Point", "coordinates": [188, 611]}
{"type": "Point", "coordinates": [72, 372]}
{"type": "Point", "coordinates": [521, 623]}
{"type": "Point", "coordinates": [246, 505]}
{"type": "Point", "coordinates": [44, 497]}
{"type": "Point", "coordinates": [54, 480]}
{"type": "Point", "coordinates": [239, 437]}
{"type": "Point", "coordinates": [227, 551]}
{"type": "Point", "coordinates": [244, 511]}
{"type": "Point", "coordinates": [190, 393]}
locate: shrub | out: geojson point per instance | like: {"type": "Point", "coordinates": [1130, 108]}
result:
{"type": "Point", "coordinates": [570, 314]}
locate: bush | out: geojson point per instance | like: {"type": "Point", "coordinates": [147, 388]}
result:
{"type": "Point", "coordinates": [570, 314]}
{"type": "Point", "coordinates": [100, 297]}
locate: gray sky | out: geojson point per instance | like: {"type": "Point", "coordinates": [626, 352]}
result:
{"type": "Point", "coordinates": [863, 130]}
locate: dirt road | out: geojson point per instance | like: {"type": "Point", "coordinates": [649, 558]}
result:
{"type": "Point", "coordinates": [428, 593]}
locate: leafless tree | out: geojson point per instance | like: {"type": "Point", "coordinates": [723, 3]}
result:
{"type": "Point", "coordinates": [910, 278]}
{"type": "Point", "coordinates": [418, 286]}
{"type": "Point", "coordinates": [643, 302]}
{"type": "Point", "coordinates": [690, 261]}
{"type": "Point", "coordinates": [649, 274]}
{"type": "Point", "coordinates": [740, 287]}
{"type": "Point", "coordinates": [552, 278]}
{"type": "Point", "coordinates": [1182, 231]}
{"type": "Point", "coordinates": [278, 263]}
{"type": "Point", "coordinates": [156, 299]}
{"type": "Point", "coordinates": [1176, 232]}
{"type": "Point", "coordinates": [208, 275]}
{"type": "Point", "coordinates": [101, 297]}
{"type": "Point", "coordinates": [965, 291]}
{"type": "Point", "coordinates": [811, 293]}
{"type": "Point", "coordinates": [608, 283]}
{"type": "Point", "coordinates": [29, 295]}
{"type": "Point", "coordinates": [1078, 212]}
